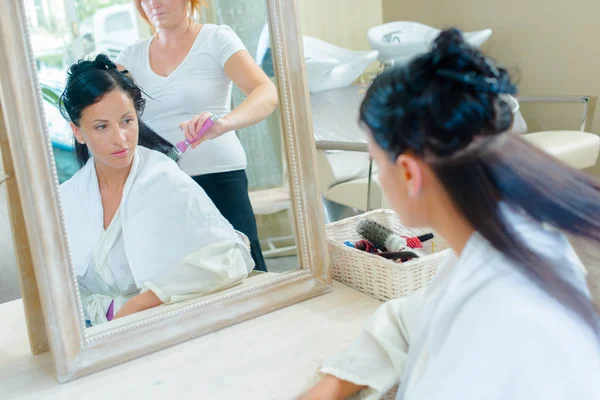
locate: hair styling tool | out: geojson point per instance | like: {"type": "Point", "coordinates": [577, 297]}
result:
{"type": "Point", "coordinates": [385, 239]}
{"type": "Point", "coordinates": [365, 245]}
{"type": "Point", "coordinates": [398, 255]}
{"type": "Point", "coordinates": [380, 236]}
{"type": "Point", "coordinates": [417, 242]}
{"type": "Point", "coordinates": [110, 313]}
{"type": "Point", "coordinates": [177, 151]}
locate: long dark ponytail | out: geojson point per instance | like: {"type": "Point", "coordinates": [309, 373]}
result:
{"type": "Point", "coordinates": [448, 107]}
{"type": "Point", "coordinates": [87, 82]}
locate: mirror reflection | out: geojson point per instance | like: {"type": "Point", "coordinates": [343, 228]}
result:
{"type": "Point", "coordinates": [166, 136]}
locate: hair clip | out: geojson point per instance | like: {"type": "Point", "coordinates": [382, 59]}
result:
{"type": "Point", "coordinates": [484, 84]}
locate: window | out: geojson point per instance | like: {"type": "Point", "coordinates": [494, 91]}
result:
{"type": "Point", "coordinates": [118, 22]}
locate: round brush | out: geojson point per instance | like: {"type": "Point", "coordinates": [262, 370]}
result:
{"type": "Point", "coordinates": [382, 237]}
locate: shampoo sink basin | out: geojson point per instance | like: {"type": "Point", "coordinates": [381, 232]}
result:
{"type": "Point", "coordinates": [399, 42]}
{"type": "Point", "coordinates": [330, 67]}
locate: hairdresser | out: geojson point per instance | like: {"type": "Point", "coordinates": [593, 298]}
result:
{"type": "Point", "coordinates": [186, 71]}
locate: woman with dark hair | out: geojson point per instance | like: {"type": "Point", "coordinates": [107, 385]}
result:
{"type": "Point", "coordinates": [141, 231]}
{"type": "Point", "coordinates": [508, 314]}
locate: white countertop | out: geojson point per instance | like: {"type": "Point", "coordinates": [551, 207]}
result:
{"type": "Point", "coordinates": [270, 357]}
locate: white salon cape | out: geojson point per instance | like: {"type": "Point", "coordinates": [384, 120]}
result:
{"type": "Point", "coordinates": [167, 236]}
{"type": "Point", "coordinates": [481, 330]}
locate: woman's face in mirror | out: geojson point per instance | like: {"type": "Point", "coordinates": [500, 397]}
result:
{"type": "Point", "coordinates": [165, 14]}
{"type": "Point", "coordinates": [110, 129]}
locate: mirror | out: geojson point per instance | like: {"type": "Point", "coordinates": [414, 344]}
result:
{"type": "Point", "coordinates": [143, 246]}
{"type": "Point", "coordinates": [121, 242]}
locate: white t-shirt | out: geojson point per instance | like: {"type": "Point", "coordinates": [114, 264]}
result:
{"type": "Point", "coordinates": [198, 84]}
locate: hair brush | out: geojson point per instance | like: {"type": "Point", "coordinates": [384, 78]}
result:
{"type": "Point", "coordinates": [380, 236]}
{"type": "Point", "coordinates": [177, 151]}
{"type": "Point", "coordinates": [385, 239]}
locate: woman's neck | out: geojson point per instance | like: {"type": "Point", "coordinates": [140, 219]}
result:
{"type": "Point", "coordinates": [111, 179]}
{"type": "Point", "coordinates": [167, 37]}
{"type": "Point", "coordinates": [452, 226]}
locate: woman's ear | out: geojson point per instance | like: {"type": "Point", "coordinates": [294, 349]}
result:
{"type": "Point", "coordinates": [77, 133]}
{"type": "Point", "coordinates": [412, 173]}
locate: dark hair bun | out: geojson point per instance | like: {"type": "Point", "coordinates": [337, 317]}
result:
{"type": "Point", "coordinates": [100, 62]}
{"type": "Point", "coordinates": [448, 44]}
{"type": "Point", "coordinates": [439, 102]}
{"type": "Point", "coordinates": [103, 62]}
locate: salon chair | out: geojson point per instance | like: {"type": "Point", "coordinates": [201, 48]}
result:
{"type": "Point", "coordinates": [577, 148]}
{"type": "Point", "coordinates": [268, 202]}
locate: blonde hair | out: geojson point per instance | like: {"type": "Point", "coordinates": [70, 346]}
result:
{"type": "Point", "coordinates": [194, 10]}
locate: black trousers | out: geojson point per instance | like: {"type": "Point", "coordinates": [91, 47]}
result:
{"type": "Point", "coordinates": [229, 192]}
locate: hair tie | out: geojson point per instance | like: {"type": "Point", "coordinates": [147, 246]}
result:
{"type": "Point", "coordinates": [102, 64]}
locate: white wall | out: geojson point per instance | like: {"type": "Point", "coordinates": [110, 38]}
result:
{"type": "Point", "coordinates": [343, 23]}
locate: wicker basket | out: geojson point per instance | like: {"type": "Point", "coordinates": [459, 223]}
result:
{"type": "Point", "coordinates": [374, 275]}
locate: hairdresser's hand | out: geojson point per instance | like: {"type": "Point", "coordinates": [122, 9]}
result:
{"type": "Point", "coordinates": [192, 127]}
